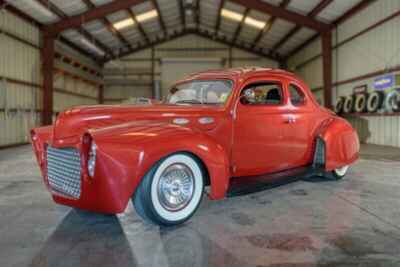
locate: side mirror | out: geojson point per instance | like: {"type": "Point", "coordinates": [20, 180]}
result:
{"type": "Point", "coordinates": [249, 95]}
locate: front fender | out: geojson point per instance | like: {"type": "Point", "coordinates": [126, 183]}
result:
{"type": "Point", "coordinates": [127, 153]}
{"type": "Point", "coordinates": [341, 143]}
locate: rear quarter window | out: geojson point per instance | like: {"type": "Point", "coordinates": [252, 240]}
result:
{"type": "Point", "coordinates": [297, 96]}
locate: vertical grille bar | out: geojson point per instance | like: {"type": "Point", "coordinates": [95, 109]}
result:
{"type": "Point", "coordinates": [64, 170]}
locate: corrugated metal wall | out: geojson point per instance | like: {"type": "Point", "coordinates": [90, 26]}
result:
{"type": "Point", "coordinates": [375, 50]}
{"type": "Point", "coordinates": [20, 80]}
{"type": "Point", "coordinates": [190, 46]}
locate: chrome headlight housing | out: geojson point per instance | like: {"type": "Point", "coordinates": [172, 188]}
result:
{"type": "Point", "coordinates": [92, 159]}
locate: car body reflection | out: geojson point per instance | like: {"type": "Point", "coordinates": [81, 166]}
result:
{"type": "Point", "coordinates": [85, 239]}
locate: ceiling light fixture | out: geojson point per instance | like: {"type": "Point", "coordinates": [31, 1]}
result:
{"type": "Point", "coordinates": [239, 17]}
{"type": "Point", "coordinates": [123, 23]}
{"type": "Point", "coordinates": [147, 15]}
{"type": "Point", "coordinates": [92, 46]}
{"type": "Point", "coordinates": [231, 15]}
{"type": "Point", "coordinates": [254, 22]}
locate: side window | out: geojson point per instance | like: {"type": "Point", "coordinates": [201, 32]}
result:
{"type": "Point", "coordinates": [265, 93]}
{"type": "Point", "coordinates": [297, 97]}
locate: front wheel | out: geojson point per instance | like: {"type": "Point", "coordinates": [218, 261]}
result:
{"type": "Point", "coordinates": [171, 191]}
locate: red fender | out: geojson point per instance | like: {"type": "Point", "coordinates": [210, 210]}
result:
{"type": "Point", "coordinates": [39, 136]}
{"type": "Point", "coordinates": [129, 151]}
{"type": "Point", "coordinates": [341, 143]}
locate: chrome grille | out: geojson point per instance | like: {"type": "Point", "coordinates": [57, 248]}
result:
{"type": "Point", "coordinates": [64, 170]}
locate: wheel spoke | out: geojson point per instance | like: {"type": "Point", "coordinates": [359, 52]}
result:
{"type": "Point", "coordinates": [176, 187]}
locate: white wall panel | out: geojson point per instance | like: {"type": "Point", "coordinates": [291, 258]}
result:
{"type": "Point", "coordinates": [21, 62]}
{"type": "Point", "coordinates": [123, 92]}
{"type": "Point", "coordinates": [372, 14]}
{"type": "Point", "coordinates": [373, 51]}
{"type": "Point", "coordinates": [378, 130]}
{"type": "Point", "coordinates": [19, 27]}
{"type": "Point", "coordinates": [252, 60]}
{"type": "Point", "coordinates": [187, 47]}
{"type": "Point", "coordinates": [20, 102]}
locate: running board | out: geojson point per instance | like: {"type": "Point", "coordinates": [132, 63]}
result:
{"type": "Point", "coordinates": [239, 186]}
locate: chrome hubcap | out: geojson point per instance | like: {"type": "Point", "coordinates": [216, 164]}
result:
{"type": "Point", "coordinates": [175, 187]}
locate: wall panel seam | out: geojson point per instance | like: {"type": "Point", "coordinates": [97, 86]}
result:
{"type": "Point", "coordinates": [40, 87]}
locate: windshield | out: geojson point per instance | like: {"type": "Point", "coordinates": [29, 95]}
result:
{"type": "Point", "coordinates": [211, 92]}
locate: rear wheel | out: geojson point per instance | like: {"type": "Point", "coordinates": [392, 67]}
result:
{"type": "Point", "coordinates": [341, 172]}
{"type": "Point", "coordinates": [171, 191]}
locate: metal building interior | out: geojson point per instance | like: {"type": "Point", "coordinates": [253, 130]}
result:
{"type": "Point", "coordinates": [57, 54]}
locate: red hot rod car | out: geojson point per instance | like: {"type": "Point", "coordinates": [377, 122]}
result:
{"type": "Point", "coordinates": [231, 130]}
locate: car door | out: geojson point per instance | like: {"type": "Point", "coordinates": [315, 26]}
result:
{"type": "Point", "coordinates": [303, 120]}
{"type": "Point", "coordinates": [260, 130]}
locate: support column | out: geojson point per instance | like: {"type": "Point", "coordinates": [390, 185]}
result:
{"type": "Point", "coordinates": [230, 57]}
{"type": "Point", "coordinates": [101, 94]}
{"type": "Point", "coordinates": [153, 93]}
{"type": "Point", "coordinates": [327, 67]}
{"type": "Point", "coordinates": [47, 71]}
{"type": "Point", "coordinates": [283, 64]}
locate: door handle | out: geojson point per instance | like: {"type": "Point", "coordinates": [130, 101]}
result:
{"type": "Point", "coordinates": [290, 120]}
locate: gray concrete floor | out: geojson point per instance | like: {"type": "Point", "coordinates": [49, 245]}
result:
{"type": "Point", "coordinates": [353, 222]}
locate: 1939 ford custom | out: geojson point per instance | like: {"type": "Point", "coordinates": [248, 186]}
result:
{"type": "Point", "coordinates": [230, 130]}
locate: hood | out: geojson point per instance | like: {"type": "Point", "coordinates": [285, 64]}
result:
{"type": "Point", "coordinates": [75, 121]}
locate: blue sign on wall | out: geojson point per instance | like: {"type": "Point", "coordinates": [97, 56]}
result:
{"type": "Point", "coordinates": [384, 82]}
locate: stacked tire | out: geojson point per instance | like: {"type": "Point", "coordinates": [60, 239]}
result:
{"type": "Point", "coordinates": [360, 102]}
{"type": "Point", "coordinates": [375, 101]}
{"type": "Point", "coordinates": [392, 101]}
{"type": "Point", "coordinates": [369, 102]}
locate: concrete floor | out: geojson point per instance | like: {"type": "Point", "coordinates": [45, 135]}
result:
{"type": "Point", "coordinates": [353, 222]}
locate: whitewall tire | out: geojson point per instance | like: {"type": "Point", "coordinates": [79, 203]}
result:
{"type": "Point", "coordinates": [339, 173]}
{"type": "Point", "coordinates": [171, 191]}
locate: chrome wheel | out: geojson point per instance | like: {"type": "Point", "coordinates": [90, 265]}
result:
{"type": "Point", "coordinates": [176, 187]}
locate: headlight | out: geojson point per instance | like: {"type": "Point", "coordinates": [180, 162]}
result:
{"type": "Point", "coordinates": [92, 159]}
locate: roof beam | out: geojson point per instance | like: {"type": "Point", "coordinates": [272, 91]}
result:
{"type": "Point", "coordinates": [54, 9]}
{"type": "Point", "coordinates": [218, 24]}
{"type": "Point", "coordinates": [140, 28]}
{"type": "Point", "coordinates": [182, 13]}
{"type": "Point", "coordinates": [269, 24]}
{"type": "Point", "coordinates": [116, 33]}
{"type": "Point", "coordinates": [318, 9]}
{"type": "Point", "coordinates": [34, 22]}
{"type": "Point", "coordinates": [303, 45]}
{"type": "Point", "coordinates": [314, 12]}
{"type": "Point", "coordinates": [61, 39]}
{"type": "Point", "coordinates": [285, 38]}
{"type": "Point", "coordinates": [240, 26]}
{"type": "Point", "coordinates": [105, 21]}
{"type": "Point", "coordinates": [348, 14]}
{"type": "Point", "coordinates": [282, 13]}
{"type": "Point", "coordinates": [160, 18]}
{"type": "Point", "coordinates": [91, 14]}
{"type": "Point", "coordinates": [158, 42]}
{"type": "Point", "coordinates": [79, 49]}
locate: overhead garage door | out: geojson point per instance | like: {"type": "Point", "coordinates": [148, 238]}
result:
{"type": "Point", "coordinates": [173, 69]}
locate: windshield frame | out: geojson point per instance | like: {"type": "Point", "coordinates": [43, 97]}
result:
{"type": "Point", "coordinates": [224, 104]}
